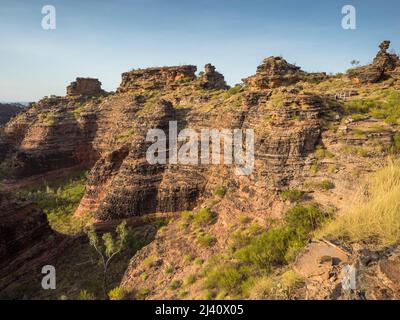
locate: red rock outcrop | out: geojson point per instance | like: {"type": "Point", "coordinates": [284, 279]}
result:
{"type": "Point", "coordinates": [52, 134]}
{"type": "Point", "coordinates": [384, 66]}
{"type": "Point", "coordinates": [124, 184]}
{"type": "Point", "coordinates": [84, 87]}
{"type": "Point", "coordinates": [276, 72]}
{"type": "Point", "coordinates": [212, 79]}
{"type": "Point", "coordinates": [107, 134]}
{"type": "Point", "coordinates": [156, 78]}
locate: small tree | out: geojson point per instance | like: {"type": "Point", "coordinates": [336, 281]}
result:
{"type": "Point", "coordinates": [109, 248]}
{"type": "Point", "coordinates": [354, 62]}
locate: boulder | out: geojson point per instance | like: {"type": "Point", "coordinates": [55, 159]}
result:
{"type": "Point", "coordinates": [84, 87]}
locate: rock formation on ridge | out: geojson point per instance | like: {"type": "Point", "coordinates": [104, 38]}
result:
{"type": "Point", "coordinates": [85, 87]}
{"type": "Point", "coordinates": [384, 65]}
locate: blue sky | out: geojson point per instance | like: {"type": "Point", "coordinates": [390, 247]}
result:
{"type": "Point", "coordinates": [102, 39]}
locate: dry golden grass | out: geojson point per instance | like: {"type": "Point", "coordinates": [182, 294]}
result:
{"type": "Point", "coordinates": [275, 288]}
{"type": "Point", "coordinates": [375, 214]}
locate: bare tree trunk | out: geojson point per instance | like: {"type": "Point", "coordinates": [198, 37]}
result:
{"type": "Point", "coordinates": [105, 282]}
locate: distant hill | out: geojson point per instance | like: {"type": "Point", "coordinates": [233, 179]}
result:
{"type": "Point", "coordinates": [8, 110]}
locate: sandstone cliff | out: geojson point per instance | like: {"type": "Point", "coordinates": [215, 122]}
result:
{"type": "Point", "coordinates": [313, 133]}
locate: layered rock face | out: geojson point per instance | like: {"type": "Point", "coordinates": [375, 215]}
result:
{"type": "Point", "coordinates": [108, 135]}
{"type": "Point", "coordinates": [156, 78]}
{"type": "Point", "coordinates": [384, 66]}
{"type": "Point", "coordinates": [84, 86]}
{"type": "Point", "coordinates": [7, 111]}
{"type": "Point", "coordinates": [27, 242]}
{"type": "Point", "coordinates": [277, 72]}
{"type": "Point", "coordinates": [52, 134]}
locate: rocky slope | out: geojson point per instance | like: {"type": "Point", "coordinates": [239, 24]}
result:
{"type": "Point", "coordinates": [305, 138]}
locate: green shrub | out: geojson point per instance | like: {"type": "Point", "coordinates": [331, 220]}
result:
{"type": "Point", "coordinates": [266, 250]}
{"type": "Point", "coordinates": [220, 191]}
{"type": "Point", "coordinates": [190, 279]}
{"type": "Point", "coordinates": [321, 153]}
{"type": "Point", "coordinates": [271, 247]}
{"type": "Point", "coordinates": [116, 294]}
{"type": "Point", "coordinates": [206, 240]}
{"type": "Point", "coordinates": [321, 185]}
{"type": "Point", "coordinates": [292, 195]}
{"type": "Point", "coordinates": [188, 258]}
{"type": "Point", "coordinates": [204, 217]}
{"type": "Point", "coordinates": [314, 168]}
{"type": "Point", "coordinates": [176, 284]}
{"type": "Point", "coordinates": [85, 295]}
{"type": "Point", "coordinates": [225, 277]}
{"type": "Point", "coordinates": [183, 293]}
{"type": "Point", "coordinates": [144, 275]}
{"type": "Point", "coordinates": [124, 136]}
{"type": "Point", "coordinates": [169, 269]}
{"type": "Point", "coordinates": [141, 293]}
{"type": "Point", "coordinates": [332, 168]}
{"type": "Point", "coordinates": [244, 219]}
{"type": "Point", "coordinates": [160, 222]}
{"type": "Point", "coordinates": [187, 215]}
{"type": "Point", "coordinates": [241, 238]}
{"type": "Point", "coordinates": [304, 220]}
{"type": "Point", "coordinates": [150, 261]}
{"type": "Point", "coordinates": [257, 251]}
{"type": "Point", "coordinates": [278, 288]}
{"type": "Point", "coordinates": [184, 80]}
{"type": "Point", "coordinates": [382, 105]}
{"type": "Point", "coordinates": [208, 295]}
{"type": "Point", "coordinates": [77, 111]}
{"type": "Point", "coordinates": [234, 90]}
{"type": "Point", "coordinates": [395, 148]}
{"type": "Point", "coordinates": [47, 117]}
{"type": "Point", "coordinates": [327, 185]}
{"type": "Point", "coordinates": [356, 150]}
